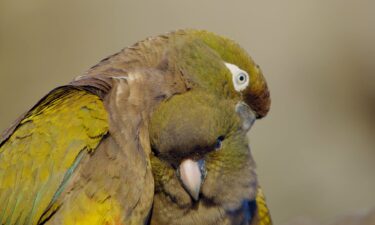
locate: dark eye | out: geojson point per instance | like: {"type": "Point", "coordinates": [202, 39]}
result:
{"type": "Point", "coordinates": [218, 142]}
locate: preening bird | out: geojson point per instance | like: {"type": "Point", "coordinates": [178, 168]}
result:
{"type": "Point", "coordinates": [154, 134]}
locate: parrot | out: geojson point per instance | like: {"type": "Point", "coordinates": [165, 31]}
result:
{"type": "Point", "coordinates": [156, 133]}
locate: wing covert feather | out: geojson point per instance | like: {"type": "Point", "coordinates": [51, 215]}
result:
{"type": "Point", "coordinates": [262, 216]}
{"type": "Point", "coordinates": [40, 154]}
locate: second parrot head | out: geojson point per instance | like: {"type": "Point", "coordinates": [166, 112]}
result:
{"type": "Point", "coordinates": [198, 137]}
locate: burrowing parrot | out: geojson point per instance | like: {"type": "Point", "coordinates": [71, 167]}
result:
{"type": "Point", "coordinates": [154, 134]}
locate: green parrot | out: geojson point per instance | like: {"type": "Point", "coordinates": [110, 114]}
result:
{"type": "Point", "coordinates": [154, 134]}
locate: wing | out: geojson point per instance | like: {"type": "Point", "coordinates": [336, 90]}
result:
{"type": "Point", "coordinates": [114, 185]}
{"type": "Point", "coordinates": [262, 214]}
{"type": "Point", "coordinates": [39, 154]}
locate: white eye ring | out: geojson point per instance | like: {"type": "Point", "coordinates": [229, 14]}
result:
{"type": "Point", "coordinates": [239, 77]}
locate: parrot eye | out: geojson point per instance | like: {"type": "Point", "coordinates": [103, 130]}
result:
{"type": "Point", "coordinates": [219, 140]}
{"type": "Point", "coordinates": [240, 78]}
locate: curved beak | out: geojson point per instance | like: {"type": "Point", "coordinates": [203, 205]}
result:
{"type": "Point", "coordinates": [192, 174]}
{"type": "Point", "coordinates": [246, 114]}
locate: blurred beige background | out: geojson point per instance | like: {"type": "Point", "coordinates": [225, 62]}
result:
{"type": "Point", "coordinates": [316, 149]}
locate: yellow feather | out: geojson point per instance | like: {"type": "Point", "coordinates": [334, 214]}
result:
{"type": "Point", "coordinates": [46, 143]}
{"type": "Point", "coordinates": [264, 217]}
{"type": "Point", "coordinates": [88, 211]}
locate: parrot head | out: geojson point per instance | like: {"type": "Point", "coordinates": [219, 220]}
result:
{"type": "Point", "coordinates": [201, 156]}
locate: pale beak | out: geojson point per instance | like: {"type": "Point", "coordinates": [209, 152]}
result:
{"type": "Point", "coordinates": [192, 174]}
{"type": "Point", "coordinates": [247, 115]}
